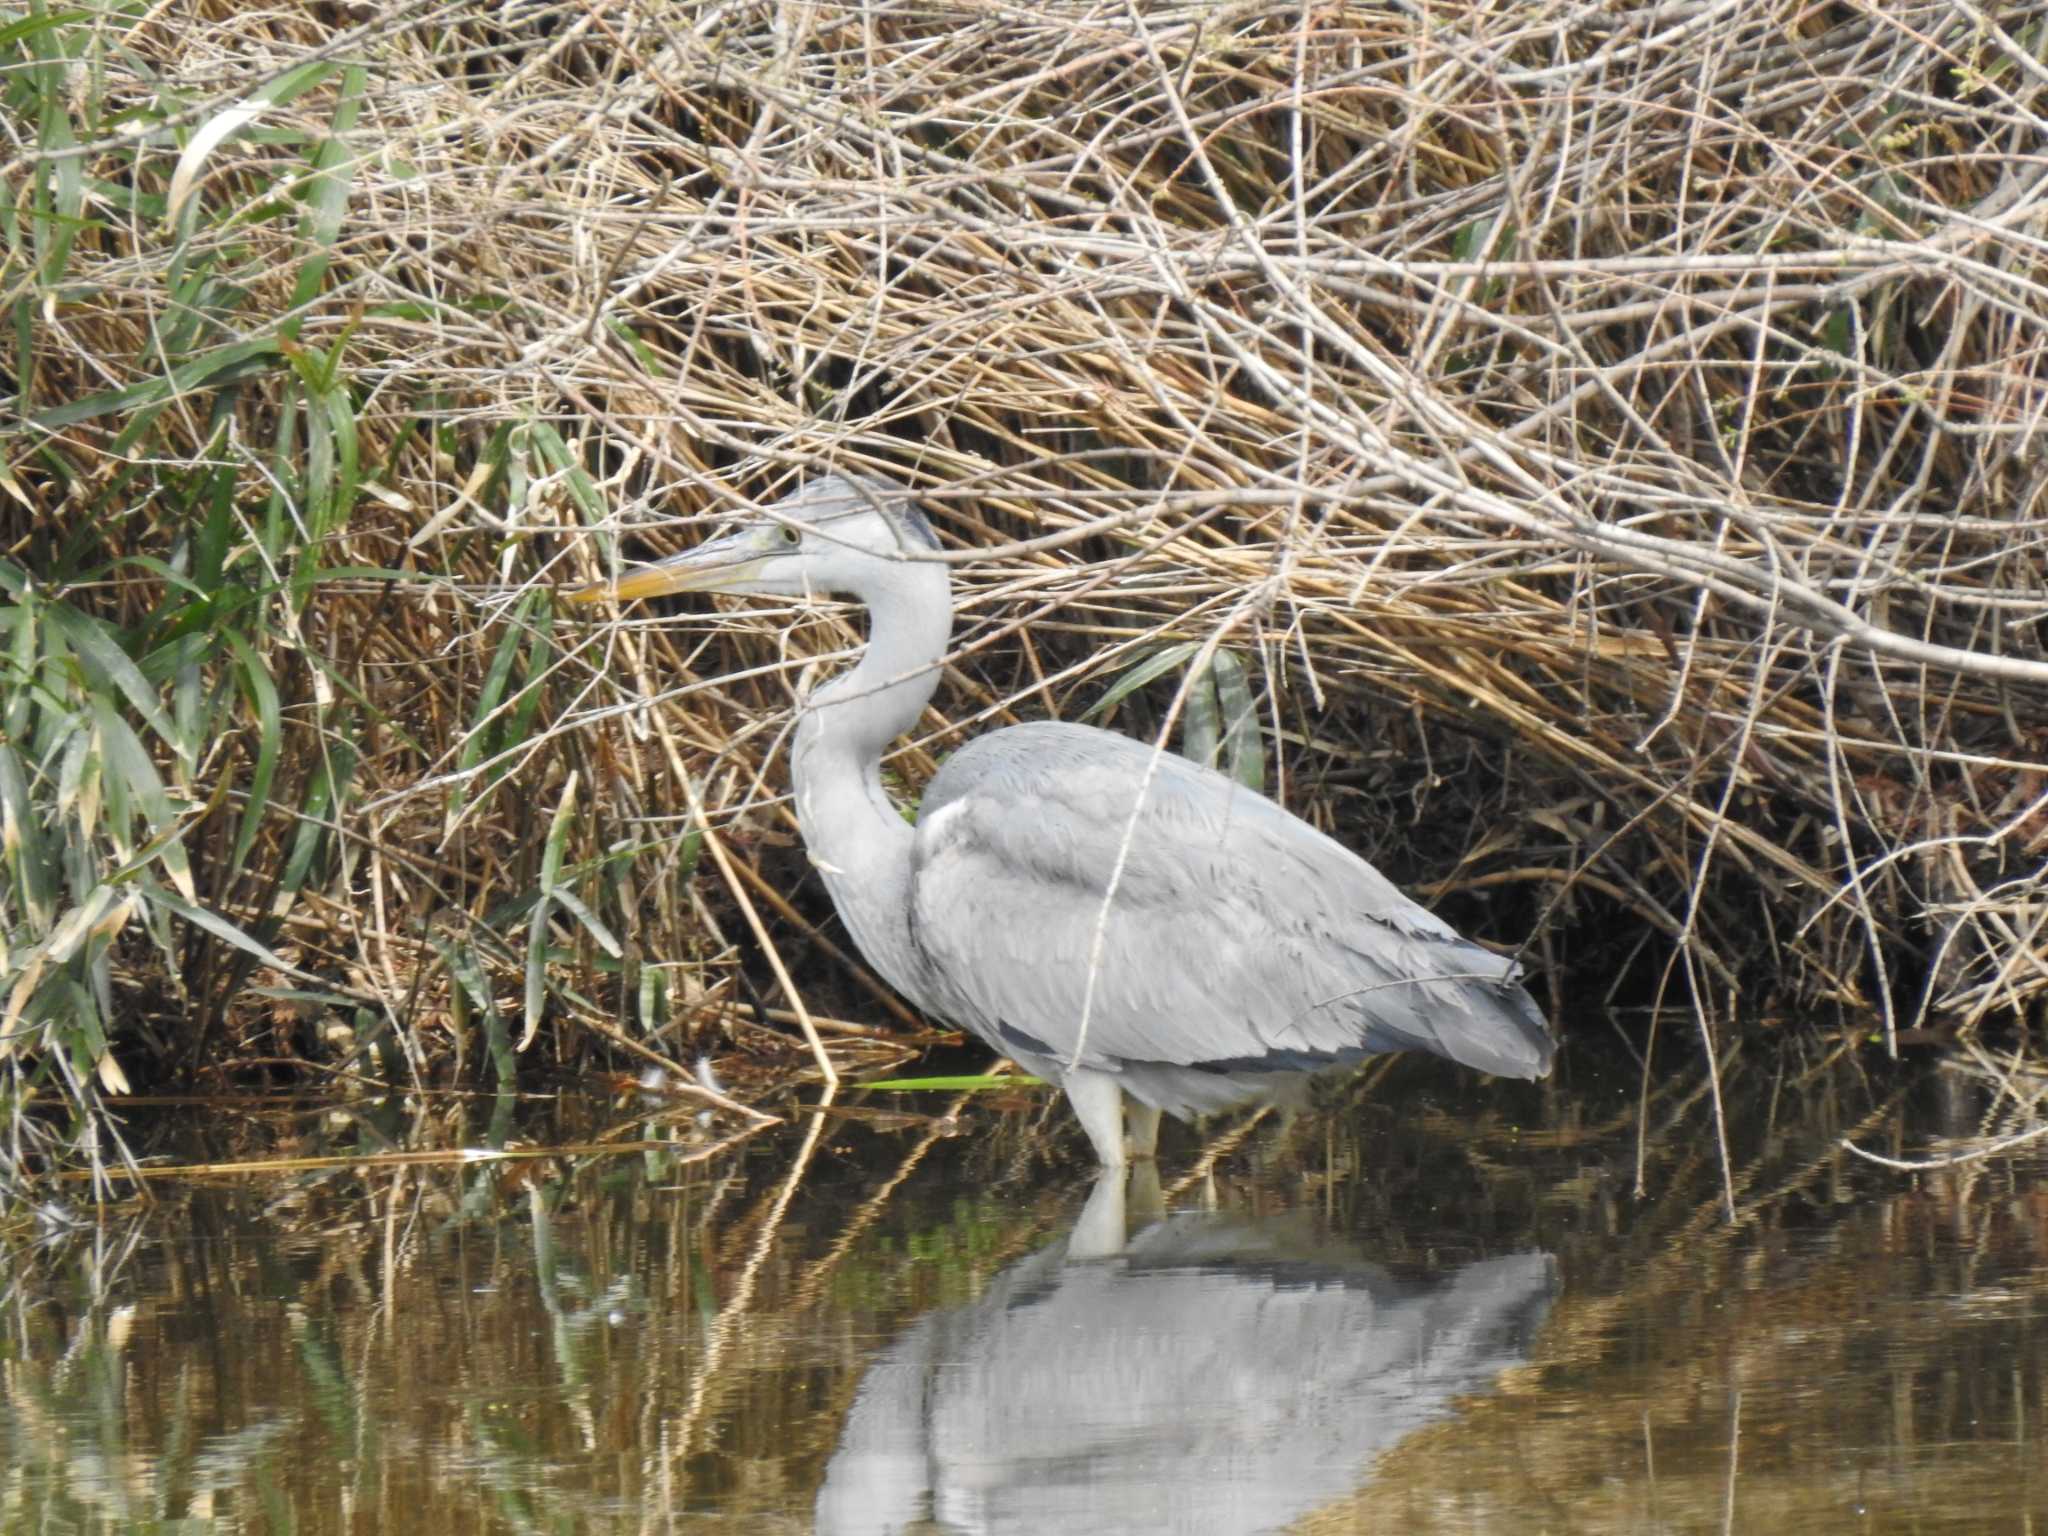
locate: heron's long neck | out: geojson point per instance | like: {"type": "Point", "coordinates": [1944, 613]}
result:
{"type": "Point", "coordinates": [857, 839]}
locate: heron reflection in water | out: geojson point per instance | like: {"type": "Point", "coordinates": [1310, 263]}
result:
{"type": "Point", "coordinates": [1128, 924]}
{"type": "Point", "coordinates": [1216, 1375]}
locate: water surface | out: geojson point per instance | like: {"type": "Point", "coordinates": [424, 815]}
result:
{"type": "Point", "coordinates": [1435, 1306]}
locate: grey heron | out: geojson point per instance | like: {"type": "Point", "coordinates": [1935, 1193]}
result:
{"type": "Point", "coordinates": [1117, 919]}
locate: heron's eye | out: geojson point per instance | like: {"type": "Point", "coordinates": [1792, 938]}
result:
{"type": "Point", "coordinates": [790, 535]}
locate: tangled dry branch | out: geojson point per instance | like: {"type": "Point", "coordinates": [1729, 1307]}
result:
{"type": "Point", "coordinates": [1651, 396]}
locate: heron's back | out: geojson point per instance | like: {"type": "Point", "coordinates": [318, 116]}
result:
{"type": "Point", "coordinates": [1078, 898]}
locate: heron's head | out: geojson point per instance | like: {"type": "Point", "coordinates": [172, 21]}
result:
{"type": "Point", "coordinates": [830, 536]}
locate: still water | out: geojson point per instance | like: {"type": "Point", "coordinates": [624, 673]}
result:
{"type": "Point", "coordinates": [1430, 1306]}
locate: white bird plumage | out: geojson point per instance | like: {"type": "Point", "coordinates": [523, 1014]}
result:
{"type": "Point", "coordinates": [1119, 920]}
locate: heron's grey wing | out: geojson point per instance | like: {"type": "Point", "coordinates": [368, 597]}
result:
{"type": "Point", "coordinates": [1238, 938]}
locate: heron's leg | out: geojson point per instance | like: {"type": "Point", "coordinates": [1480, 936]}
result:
{"type": "Point", "coordinates": [1098, 1100]}
{"type": "Point", "coordinates": [1141, 1134]}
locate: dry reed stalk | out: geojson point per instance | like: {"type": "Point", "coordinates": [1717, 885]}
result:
{"type": "Point", "coordinates": [1614, 436]}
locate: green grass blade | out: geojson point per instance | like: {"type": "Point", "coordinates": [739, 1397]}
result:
{"type": "Point", "coordinates": [213, 923]}
{"type": "Point", "coordinates": [324, 795]}
{"type": "Point", "coordinates": [133, 782]}
{"type": "Point", "coordinates": [30, 26]}
{"type": "Point", "coordinates": [482, 738]}
{"type": "Point", "coordinates": [1201, 729]}
{"type": "Point", "coordinates": [552, 451]}
{"type": "Point", "coordinates": [109, 669]}
{"type": "Point", "coordinates": [58, 194]}
{"type": "Point", "coordinates": [593, 925]}
{"type": "Point", "coordinates": [327, 197]}
{"type": "Point", "coordinates": [1243, 754]}
{"type": "Point", "coordinates": [1157, 665]}
{"type": "Point", "coordinates": [540, 661]}
{"type": "Point", "coordinates": [537, 928]}
{"type": "Point", "coordinates": [261, 694]}
{"type": "Point", "coordinates": [971, 1084]}
{"type": "Point", "coordinates": [24, 853]}
{"type": "Point", "coordinates": [196, 373]}
{"type": "Point", "coordinates": [229, 123]}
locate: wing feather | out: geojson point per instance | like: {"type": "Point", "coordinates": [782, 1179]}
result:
{"type": "Point", "coordinates": [1237, 937]}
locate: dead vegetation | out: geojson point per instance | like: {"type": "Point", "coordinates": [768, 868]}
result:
{"type": "Point", "coordinates": [1610, 438]}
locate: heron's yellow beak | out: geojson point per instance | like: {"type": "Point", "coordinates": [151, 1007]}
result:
{"type": "Point", "coordinates": [707, 568]}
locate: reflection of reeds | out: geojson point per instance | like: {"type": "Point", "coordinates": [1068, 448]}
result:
{"type": "Point", "coordinates": [622, 1338]}
{"type": "Point", "coordinates": [1879, 1362]}
{"type": "Point", "coordinates": [1612, 451]}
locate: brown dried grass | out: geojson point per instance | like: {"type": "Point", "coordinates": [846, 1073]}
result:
{"type": "Point", "coordinates": [1614, 436]}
